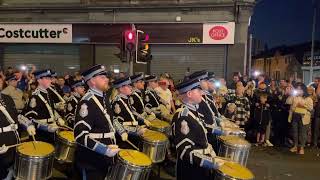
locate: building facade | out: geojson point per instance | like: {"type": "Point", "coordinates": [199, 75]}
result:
{"type": "Point", "coordinates": [93, 20]}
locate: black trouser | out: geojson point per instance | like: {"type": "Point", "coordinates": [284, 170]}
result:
{"type": "Point", "coordinates": [187, 171]}
{"type": "Point", "coordinates": [89, 174]}
{"type": "Point", "coordinates": [316, 130]}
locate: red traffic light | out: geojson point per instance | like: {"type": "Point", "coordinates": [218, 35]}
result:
{"type": "Point", "coordinates": [130, 35]}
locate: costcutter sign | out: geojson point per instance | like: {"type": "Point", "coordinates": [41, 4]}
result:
{"type": "Point", "coordinates": [218, 33]}
{"type": "Point", "coordinates": [35, 33]}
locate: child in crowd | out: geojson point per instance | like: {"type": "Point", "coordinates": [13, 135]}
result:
{"type": "Point", "coordinates": [262, 117]}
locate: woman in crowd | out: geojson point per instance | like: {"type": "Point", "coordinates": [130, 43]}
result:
{"type": "Point", "coordinates": [301, 106]}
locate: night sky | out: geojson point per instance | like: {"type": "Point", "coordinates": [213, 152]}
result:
{"type": "Point", "coordinates": [284, 22]}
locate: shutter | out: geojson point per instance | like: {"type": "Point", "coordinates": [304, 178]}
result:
{"type": "Point", "coordinates": [175, 59]}
{"type": "Point", "coordinates": [64, 59]}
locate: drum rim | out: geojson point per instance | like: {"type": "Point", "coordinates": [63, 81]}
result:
{"type": "Point", "coordinates": [64, 139]}
{"type": "Point", "coordinates": [37, 157]}
{"type": "Point", "coordinates": [233, 178]}
{"type": "Point", "coordinates": [134, 165]}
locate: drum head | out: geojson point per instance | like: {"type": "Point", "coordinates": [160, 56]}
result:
{"type": "Point", "coordinates": [67, 135]}
{"type": "Point", "coordinates": [236, 141]}
{"type": "Point", "coordinates": [159, 124]}
{"type": "Point", "coordinates": [35, 149]}
{"type": "Point", "coordinates": [234, 170]}
{"type": "Point", "coordinates": [133, 157]}
{"type": "Point", "coordinates": [154, 136]}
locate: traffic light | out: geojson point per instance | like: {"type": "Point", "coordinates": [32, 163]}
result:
{"type": "Point", "coordinates": [130, 40]}
{"type": "Point", "coordinates": [144, 50]}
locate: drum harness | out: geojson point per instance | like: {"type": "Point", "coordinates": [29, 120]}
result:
{"type": "Point", "coordinates": [111, 134]}
{"type": "Point", "coordinates": [13, 126]}
{"type": "Point", "coordinates": [209, 149]}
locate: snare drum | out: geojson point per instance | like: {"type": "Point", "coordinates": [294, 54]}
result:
{"type": "Point", "coordinates": [233, 171]}
{"type": "Point", "coordinates": [155, 145]}
{"type": "Point", "coordinates": [65, 146]}
{"type": "Point", "coordinates": [131, 165]}
{"type": "Point", "coordinates": [160, 126]}
{"type": "Point", "coordinates": [235, 132]}
{"type": "Point", "coordinates": [34, 160]}
{"type": "Point", "coordinates": [235, 148]}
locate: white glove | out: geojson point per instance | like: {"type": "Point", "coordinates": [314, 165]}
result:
{"type": "Point", "coordinates": [141, 131]}
{"type": "Point", "coordinates": [218, 162]}
{"type": "Point", "coordinates": [147, 123]}
{"type": "Point", "coordinates": [112, 150]}
{"type": "Point", "coordinates": [124, 136]}
{"type": "Point", "coordinates": [60, 106]}
{"type": "Point", "coordinates": [53, 128]}
{"type": "Point", "coordinates": [31, 130]}
{"type": "Point", "coordinates": [3, 149]}
{"type": "Point", "coordinates": [61, 122]}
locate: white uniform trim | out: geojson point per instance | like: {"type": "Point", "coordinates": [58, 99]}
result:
{"type": "Point", "coordinates": [184, 151]}
{"type": "Point", "coordinates": [183, 141]}
{"type": "Point", "coordinates": [82, 122]}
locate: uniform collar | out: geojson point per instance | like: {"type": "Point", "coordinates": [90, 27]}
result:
{"type": "Point", "coordinates": [150, 89]}
{"type": "Point", "coordinates": [75, 94]}
{"type": "Point", "coordinates": [123, 96]}
{"type": "Point", "coordinates": [137, 90]}
{"type": "Point", "coordinates": [206, 92]}
{"type": "Point", "coordinates": [191, 106]}
{"type": "Point", "coordinates": [96, 92]}
{"type": "Point", "coordinates": [42, 90]}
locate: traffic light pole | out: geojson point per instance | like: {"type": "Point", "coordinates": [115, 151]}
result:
{"type": "Point", "coordinates": [137, 44]}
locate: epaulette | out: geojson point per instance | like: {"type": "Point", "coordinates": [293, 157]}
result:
{"type": "Point", "coordinates": [183, 112]}
{"type": "Point", "coordinates": [87, 96]}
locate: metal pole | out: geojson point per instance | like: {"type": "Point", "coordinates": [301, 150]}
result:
{"type": "Point", "coordinates": [312, 42]}
{"type": "Point", "coordinates": [130, 64]}
{"type": "Point", "coordinates": [250, 55]}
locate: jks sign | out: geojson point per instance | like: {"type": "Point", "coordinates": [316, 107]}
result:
{"type": "Point", "coordinates": [219, 33]}
{"type": "Point", "coordinates": [35, 33]}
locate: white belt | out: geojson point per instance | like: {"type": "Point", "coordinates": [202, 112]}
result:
{"type": "Point", "coordinates": [206, 151]}
{"type": "Point", "coordinates": [101, 135]}
{"type": "Point", "coordinates": [130, 123]}
{"type": "Point", "coordinates": [12, 127]}
{"type": "Point", "coordinates": [44, 121]}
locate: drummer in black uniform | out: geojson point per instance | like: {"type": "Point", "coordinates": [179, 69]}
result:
{"type": "Point", "coordinates": [93, 129]}
{"type": "Point", "coordinates": [78, 91]}
{"type": "Point", "coordinates": [56, 94]}
{"type": "Point", "coordinates": [195, 156]}
{"type": "Point", "coordinates": [40, 109]}
{"type": "Point", "coordinates": [9, 134]}
{"type": "Point", "coordinates": [136, 100]}
{"type": "Point", "coordinates": [125, 122]}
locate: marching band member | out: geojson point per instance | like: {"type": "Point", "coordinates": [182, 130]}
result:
{"type": "Point", "coordinates": [195, 156]}
{"type": "Point", "coordinates": [93, 129]}
{"type": "Point", "coordinates": [40, 108]}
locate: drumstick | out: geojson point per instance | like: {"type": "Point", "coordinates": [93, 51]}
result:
{"type": "Point", "coordinates": [132, 145]}
{"type": "Point", "coordinates": [11, 146]}
{"type": "Point", "coordinates": [68, 127]}
{"type": "Point", "coordinates": [34, 140]}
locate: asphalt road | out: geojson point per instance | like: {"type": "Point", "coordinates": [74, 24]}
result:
{"type": "Point", "coordinates": [267, 163]}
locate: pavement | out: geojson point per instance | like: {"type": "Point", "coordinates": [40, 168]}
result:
{"type": "Point", "coordinates": [266, 163]}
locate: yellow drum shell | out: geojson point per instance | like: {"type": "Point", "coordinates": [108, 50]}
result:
{"type": "Point", "coordinates": [133, 157]}
{"type": "Point", "coordinates": [42, 149]}
{"type": "Point", "coordinates": [235, 170]}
